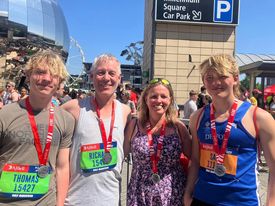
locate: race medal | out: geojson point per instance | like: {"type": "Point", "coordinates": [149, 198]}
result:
{"type": "Point", "coordinates": [22, 182]}
{"type": "Point", "coordinates": [43, 171]}
{"type": "Point", "coordinates": [43, 156]}
{"type": "Point", "coordinates": [155, 157]}
{"type": "Point", "coordinates": [155, 178]}
{"type": "Point", "coordinates": [107, 158]}
{"type": "Point", "coordinates": [93, 157]}
{"type": "Point", "coordinates": [219, 170]}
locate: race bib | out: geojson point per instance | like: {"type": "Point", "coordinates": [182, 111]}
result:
{"type": "Point", "coordinates": [22, 182]}
{"type": "Point", "coordinates": [92, 157]}
{"type": "Point", "coordinates": [208, 159]}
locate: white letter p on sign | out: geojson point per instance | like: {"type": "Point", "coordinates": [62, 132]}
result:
{"type": "Point", "coordinates": [223, 6]}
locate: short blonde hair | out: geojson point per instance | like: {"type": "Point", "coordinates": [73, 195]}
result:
{"type": "Point", "coordinates": [223, 64]}
{"type": "Point", "coordinates": [143, 111]}
{"type": "Point", "coordinates": [52, 60]}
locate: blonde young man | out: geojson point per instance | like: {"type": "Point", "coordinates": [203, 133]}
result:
{"type": "Point", "coordinates": [97, 151]}
{"type": "Point", "coordinates": [226, 135]}
{"type": "Point", "coordinates": [35, 139]}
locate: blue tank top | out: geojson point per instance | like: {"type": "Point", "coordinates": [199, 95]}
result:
{"type": "Point", "coordinates": [239, 185]}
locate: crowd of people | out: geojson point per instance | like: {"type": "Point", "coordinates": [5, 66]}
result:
{"type": "Point", "coordinates": [59, 149]}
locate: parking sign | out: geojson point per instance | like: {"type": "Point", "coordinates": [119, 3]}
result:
{"type": "Point", "coordinates": [219, 12]}
{"type": "Point", "coordinates": [223, 11]}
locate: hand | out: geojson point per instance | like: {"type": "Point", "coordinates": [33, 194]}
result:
{"type": "Point", "coordinates": [187, 199]}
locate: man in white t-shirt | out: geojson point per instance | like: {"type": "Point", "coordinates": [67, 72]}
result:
{"type": "Point", "coordinates": [190, 106]}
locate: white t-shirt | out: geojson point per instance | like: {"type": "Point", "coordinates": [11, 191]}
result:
{"type": "Point", "coordinates": [189, 107]}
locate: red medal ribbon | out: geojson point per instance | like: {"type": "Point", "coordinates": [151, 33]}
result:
{"type": "Point", "coordinates": [107, 143]}
{"type": "Point", "coordinates": [43, 157]}
{"type": "Point", "coordinates": [220, 152]}
{"type": "Point", "coordinates": [155, 157]}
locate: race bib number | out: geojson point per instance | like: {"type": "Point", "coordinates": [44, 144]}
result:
{"type": "Point", "coordinates": [208, 159]}
{"type": "Point", "coordinates": [22, 182]}
{"type": "Point", "coordinates": [92, 157]}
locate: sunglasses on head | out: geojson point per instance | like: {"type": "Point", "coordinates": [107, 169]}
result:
{"type": "Point", "coordinates": [161, 80]}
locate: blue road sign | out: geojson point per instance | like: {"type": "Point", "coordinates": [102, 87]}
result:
{"type": "Point", "coordinates": [223, 11]}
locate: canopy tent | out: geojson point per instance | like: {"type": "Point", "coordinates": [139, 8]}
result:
{"type": "Point", "coordinates": [269, 90]}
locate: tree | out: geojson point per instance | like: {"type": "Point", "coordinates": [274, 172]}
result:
{"type": "Point", "coordinates": [134, 52]}
{"type": "Point", "coordinates": [245, 82]}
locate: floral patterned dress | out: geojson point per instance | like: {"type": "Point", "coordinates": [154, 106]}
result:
{"type": "Point", "coordinates": [169, 191]}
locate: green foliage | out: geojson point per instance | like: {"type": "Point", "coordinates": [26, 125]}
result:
{"type": "Point", "coordinates": [245, 82]}
{"type": "Point", "coordinates": [259, 86]}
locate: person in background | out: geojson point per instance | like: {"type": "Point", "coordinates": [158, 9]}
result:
{"type": "Point", "coordinates": [73, 94]}
{"type": "Point", "coordinates": [226, 135]}
{"type": "Point", "coordinates": [200, 102]}
{"type": "Point", "coordinates": [66, 97]}
{"type": "Point", "coordinates": [81, 94]}
{"type": "Point", "coordinates": [271, 106]}
{"type": "Point", "coordinates": [62, 94]}
{"type": "Point", "coordinates": [156, 139]}
{"type": "Point", "coordinates": [126, 100]}
{"type": "Point", "coordinates": [1, 97]}
{"type": "Point", "coordinates": [97, 150]}
{"type": "Point", "coordinates": [138, 91]}
{"type": "Point", "coordinates": [206, 99]}
{"type": "Point", "coordinates": [133, 95]}
{"type": "Point", "coordinates": [190, 106]}
{"type": "Point", "coordinates": [120, 89]}
{"type": "Point", "coordinates": [35, 166]}
{"type": "Point", "coordinates": [244, 94]}
{"type": "Point", "coordinates": [23, 93]}
{"type": "Point", "coordinates": [255, 96]}
{"type": "Point", "coordinates": [10, 95]}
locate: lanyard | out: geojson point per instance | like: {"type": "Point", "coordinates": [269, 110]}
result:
{"type": "Point", "coordinates": [107, 143]}
{"type": "Point", "coordinates": [155, 157]}
{"type": "Point", "coordinates": [220, 152]}
{"type": "Point", "coordinates": [42, 156]}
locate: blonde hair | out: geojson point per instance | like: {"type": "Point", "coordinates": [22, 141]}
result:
{"type": "Point", "coordinates": [52, 60]}
{"type": "Point", "coordinates": [103, 58]}
{"type": "Point", "coordinates": [143, 111]}
{"type": "Point", "coordinates": [223, 64]}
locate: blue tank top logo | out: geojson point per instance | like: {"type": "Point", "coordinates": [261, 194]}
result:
{"type": "Point", "coordinates": [207, 124]}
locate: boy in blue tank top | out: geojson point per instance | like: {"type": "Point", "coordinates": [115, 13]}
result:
{"type": "Point", "coordinates": [226, 135]}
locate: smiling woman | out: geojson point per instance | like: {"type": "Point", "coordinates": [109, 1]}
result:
{"type": "Point", "coordinates": [157, 139]}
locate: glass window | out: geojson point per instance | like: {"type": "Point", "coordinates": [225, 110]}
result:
{"type": "Point", "coordinates": [35, 4]}
{"type": "Point", "coordinates": [49, 27]}
{"type": "Point", "coordinates": [18, 11]}
{"type": "Point", "coordinates": [35, 21]}
{"type": "Point", "coordinates": [138, 72]}
{"type": "Point", "coordinates": [137, 81]}
{"type": "Point", "coordinates": [66, 42]}
{"type": "Point", "coordinates": [4, 8]}
{"type": "Point", "coordinates": [47, 8]}
{"type": "Point", "coordinates": [59, 36]}
{"type": "Point", "coordinates": [61, 29]}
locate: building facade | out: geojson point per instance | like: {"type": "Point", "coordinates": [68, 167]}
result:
{"type": "Point", "coordinates": [27, 26]}
{"type": "Point", "coordinates": [179, 35]}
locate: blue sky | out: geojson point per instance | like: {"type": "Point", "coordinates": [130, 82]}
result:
{"type": "Point", "coordinates": [109, 26]}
